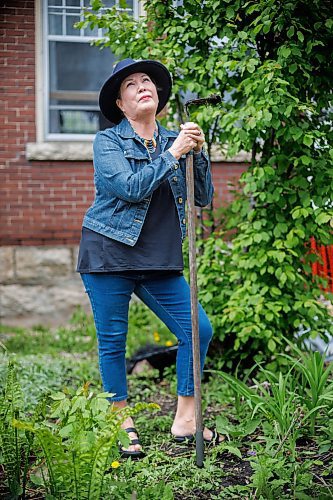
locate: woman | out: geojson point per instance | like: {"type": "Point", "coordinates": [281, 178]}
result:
{"type": "Point", "coordinates": [132, 234]}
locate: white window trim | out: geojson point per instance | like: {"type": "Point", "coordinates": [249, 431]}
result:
{"type": "Point", "coordinates": [55, 146]}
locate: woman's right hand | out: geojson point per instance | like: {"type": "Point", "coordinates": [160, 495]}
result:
{"type": "Point", "coordinates": [186, 140]}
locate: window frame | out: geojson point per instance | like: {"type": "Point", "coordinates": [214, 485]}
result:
{"type": "Point", "coordinates": [44, 40]}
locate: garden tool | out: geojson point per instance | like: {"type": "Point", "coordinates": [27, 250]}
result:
{"type": "Point", "coordinates": [191, 216]}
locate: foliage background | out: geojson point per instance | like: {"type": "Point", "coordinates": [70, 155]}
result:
{"type": "Point", "coordinates": [272, 63]}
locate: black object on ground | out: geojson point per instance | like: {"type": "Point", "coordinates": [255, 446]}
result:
{"type": "Point", "coordinates": [159, 357]}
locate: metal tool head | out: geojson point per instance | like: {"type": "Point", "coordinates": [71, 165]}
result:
{"type": "Point", "coordinates": [211, 100]}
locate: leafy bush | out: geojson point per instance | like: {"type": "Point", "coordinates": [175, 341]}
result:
{"type": "Point", "coordinates": [257, 298]}
{"type": "Point", "coordinates": [273, 67]}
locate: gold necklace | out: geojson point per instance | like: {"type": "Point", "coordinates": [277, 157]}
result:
{"type": "Point", "coordinates": [150, 144]}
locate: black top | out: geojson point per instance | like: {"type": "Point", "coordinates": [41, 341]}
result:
{"type": "Point", "coordinates": [159, 246]}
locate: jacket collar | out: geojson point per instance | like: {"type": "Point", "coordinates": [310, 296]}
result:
{"type": "Point", "coordinates": [125, 130]}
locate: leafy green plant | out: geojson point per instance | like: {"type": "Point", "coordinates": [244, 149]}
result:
{"type": "Point", "coordinates": [15, 445]}
{"type": "Point", "coordinates": [78, 447]}
{"type": "Point", "coordinates": [236, 431]}
{"type": "Point", "coordinates": [250, 462]}
{"type": "Point", "coordinates": [274, 401]}
{"type": "Point", "coordinates": [324, 436]}
{"type": "Point", "coordinates": [12, 444]}
{"type": "Point", "coordinates": [43, 373]}
{"type": "Point", "coordinates": [158, 491]}
{"type": "Point", "coordinates": [283, 399]}
{"type": "Point", "coordinates": [273, 68]}
{"type": "Point", "coordinates": [276, 477]}
{"type": "Point", "coordinates": [315, 387]}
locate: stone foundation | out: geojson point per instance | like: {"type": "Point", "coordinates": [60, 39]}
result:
{"type": "Point", "coordinates": [39, 285]}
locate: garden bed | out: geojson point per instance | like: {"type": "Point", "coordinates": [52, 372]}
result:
{"type": "Point", "coordinates": [271, 448]}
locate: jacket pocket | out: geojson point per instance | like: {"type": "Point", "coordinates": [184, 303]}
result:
{"type": "Point", "coordinates": [121, 217]}
{"type": "Point", "coordinates": [136, 159]}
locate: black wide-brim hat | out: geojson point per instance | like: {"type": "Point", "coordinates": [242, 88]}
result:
{"type": "Point", "coordinates": [110, 91]}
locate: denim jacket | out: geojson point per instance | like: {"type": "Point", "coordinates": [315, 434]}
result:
{"type": "Point", "coordinates": [125, 178]}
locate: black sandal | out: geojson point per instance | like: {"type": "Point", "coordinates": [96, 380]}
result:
{"type": "Point", "coordinates": [128, 453]}
{"type": "Point", "coordinates": [190, 439]}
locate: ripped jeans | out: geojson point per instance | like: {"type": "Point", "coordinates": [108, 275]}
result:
{"type": "Point", "coordinates": [168, 297]}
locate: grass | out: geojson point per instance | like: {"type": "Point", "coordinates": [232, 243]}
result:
{"type": "Point", "coordinates": [262, 456]}
{"type": "Point", "coordinates": [80, 335]}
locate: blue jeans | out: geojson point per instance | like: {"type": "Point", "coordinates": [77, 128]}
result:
{"type": "Point", "coordinates": [169, 298]}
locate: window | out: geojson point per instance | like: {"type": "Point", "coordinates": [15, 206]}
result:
{"type": "Point", "coordinates": [74, 71]}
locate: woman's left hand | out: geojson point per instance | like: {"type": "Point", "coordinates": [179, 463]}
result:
{"type": "Point", "coordinates": [195, 133]}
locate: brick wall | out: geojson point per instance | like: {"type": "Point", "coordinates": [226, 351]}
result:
{"type": "Point", "coordinates": [43, 202]}
{"type": "Point", "coordinates": [17, 85]}
{"type": "Point", "coordinates": [225, 175]}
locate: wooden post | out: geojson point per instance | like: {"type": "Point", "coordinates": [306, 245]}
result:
{"type": "Point", "coordinates": [191, 217]}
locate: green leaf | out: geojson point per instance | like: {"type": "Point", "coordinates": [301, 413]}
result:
{"type": "Point", "coordinates": [307, 140]}
{"type": "Point", "coordinates": [58, 396]}
{"type": "Point", "coordinates": [323, 218]}
{"type": "Point", "coordinates": [66, 431]}
{"type": "Point", "coordinates": [250, 426]}
{"type": "Point", "coordinates": [104, 395]}
{"type": "Point", "coordinates": [243, 35]}
{"type": "Point", "coordinates": [296, 132]}
{"type": "Point", "coordinates": [290, 32]}
{"type": "Point", "coordinates": [36, 480]}
{"type": "Point", "coordinates": [285, 52]}
{"type": "Point", "coordinates": [96, 4]}
{"type": "Point", "coordinates": [293, 68]}
{"type": "Point", "coordinates": [267, 27]}
{"type": "Point", "coordinates": [230, 13]}
{"type": "Point", "coordinates": [233, 450]}
{"type": "Point", "coordinates": [271, 345]}
{"type": "Point", "coordinates": [306, 160]}
{"type": "Point", "coordinates": [257, 29]}
{"type": "Point", "coordinates": [300, 36]}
